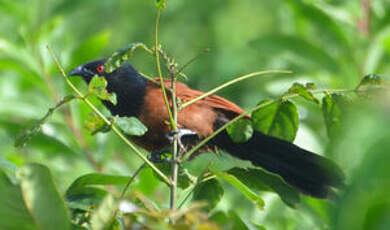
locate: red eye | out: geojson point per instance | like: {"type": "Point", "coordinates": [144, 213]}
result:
{"type": "Point", "coordinates": [100, 68]}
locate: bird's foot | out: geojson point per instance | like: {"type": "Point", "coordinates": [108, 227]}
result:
{"type": "Point", "coordinates": [159, 157]}
{"type": "Point", "coordinates": [179, 134]}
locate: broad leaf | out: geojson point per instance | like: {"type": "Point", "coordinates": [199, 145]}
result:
{"type": "Point", "coordinates": [14, 214]}
{"type": "Point", "coordinates": [261, 180]}
{"type": "Point", "coordinates": [131, 126]}
{"type": "Point", "coordinates": [210, 191]}
{"type": "Point", "coordinates": [97, 87]}
{"type": "Point", "coordinates": [104, 217]}
{"type": "Point", "coordinates": [240, 131]}
{"type": "Point", "coordinates": [229, 220]}
{"type": "Point", "coordinates": [95, 179]}
{"type": "Point", "coordinates": [247, 192]}
{"type": "Point", "coordinates": [279, 119]}
{"type": "Point", "coordinates": [303, 91]}
{"type": "Point", "coordinates": [95, 124]}
{"type": "Point", "coordinates": [42, 198]}
{"type": "Point", "coordinates": [85, 197]}
{"type": "Point", "coordinates": [9, 169]}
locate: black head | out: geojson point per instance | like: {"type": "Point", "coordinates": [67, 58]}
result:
{"type": "Point", "coordinates": [90, 69]}
{"type": "Point", "coordinates": [128, 85]}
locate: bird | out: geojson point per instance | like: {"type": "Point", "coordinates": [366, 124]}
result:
{"type": "Point", "coordinates": [309, 173]}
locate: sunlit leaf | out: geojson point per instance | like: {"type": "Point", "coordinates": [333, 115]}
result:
{"type": "Point", "coordinates": [279, 119]}
{"type": "Point", "coordinates": [240, 131]}
{"type": "Point", "coordinates": [303, 91]}
{"type": "Point", "coordinates": [97, 86]}
{"type": "Point", "coordinates": [104, 217]}
{"type": "Point", "coordinates": [95, 124]}
{"type": "Point", "coordinates": [247, 192]}
{"type": "Point", "coordinates": [161, 4]}
{"type": "Point", "coordinates": [131, 126]}
{"type": "Point", "coordinates": [210, 191]}
{"type": "Point", "coordinates": [261, 180]}
{"type": "Point", "coordinates": [42, 198]}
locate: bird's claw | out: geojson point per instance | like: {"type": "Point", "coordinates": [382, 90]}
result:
{"type": "Point", "coordinates": [156, 157]}
{"type": "Point", "coordinates": [179, 134]}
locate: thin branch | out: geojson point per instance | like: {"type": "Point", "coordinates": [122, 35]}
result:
{"type": "Point", "coordinates": [135, 174]}
{"type": "Point", "coordinates": [226, 84]}
{"type": "Point", "coordinates": [114, 129]}
{"type": "Point", "coordinates": [162, 85]}
{"type": "Point", "coordinates": [69, 118]}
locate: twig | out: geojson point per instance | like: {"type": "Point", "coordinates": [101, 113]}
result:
{"type": "Point", "coordinates": [135, 174]}
{"type": "Point", "coordinates": [69, 118]}
{"type": "Point", "coordinates": [114, 129]}
{"type": "Point", "coordinates": [226, 84]}
{"type": "Point", "coordinates": [162, 85]}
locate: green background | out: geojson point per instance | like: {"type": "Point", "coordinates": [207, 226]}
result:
{"type": "Point", "coordinates": [332, 43]}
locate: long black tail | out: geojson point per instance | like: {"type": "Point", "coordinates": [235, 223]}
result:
{"type": "Point", "coordinates": [310, 173]}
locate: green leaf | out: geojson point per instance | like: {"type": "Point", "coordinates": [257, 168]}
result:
{"type": "Point", "coordinates": [104, 217]}
{"type": "Point", "coordinates": [95, 124]}
{"type": "Point", "coordinates": [9, 169]}
{"type": "Point", "coordinates": [332, 112]}
{"type": "Point", "coordinates": [261, 180]}
{"type": "Point", "coordinates": [302, 91]}
{"type": "Point", "coordinates": [240, 131]}
{"type": "Point", "coordinates": [210, 191]}
{"type": "Point", "coordinates": [118, 58]}
{"type": "Point", "coordinates": [97, 87]}
{"type": "Point", "coordinates": [131, 126]}
{"type": "Point", "coordinates": [95, 179]}
{"type": "Point", "coordinates": [371, 80]}
{"type": "Point", "coordinates": [112, 98]}
{"type": "Point", "coordinates": [14, 214]}
{"type": "Point", "coordinates": [247, 192]}
{"type": "Point", "coordinates": [161, 4]}
{"type": "Point", "coordinates": [279, 119]}
{"type": "Point", "coordinates": [42, 198]}
{"type": "Point", "coordinates": [228, 221]}
{"type": "Point", "coordinates": [85, 197]}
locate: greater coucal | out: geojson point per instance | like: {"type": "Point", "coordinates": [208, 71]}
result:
{"type": "Point", "coordinates": [310, 173]}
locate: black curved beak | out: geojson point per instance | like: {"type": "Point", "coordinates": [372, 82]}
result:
{"type": "Point", "coordinates": [78, 71]}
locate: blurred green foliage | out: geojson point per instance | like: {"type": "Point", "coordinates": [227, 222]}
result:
{"type": "Point", "coordinates": [330, 42]}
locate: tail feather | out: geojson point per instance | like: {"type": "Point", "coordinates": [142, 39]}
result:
{"type": "Point", "coordinates": [310, 173]}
